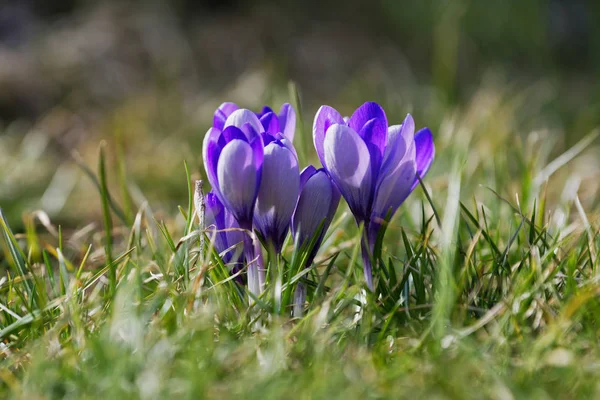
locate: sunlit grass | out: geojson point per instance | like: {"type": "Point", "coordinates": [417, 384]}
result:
{"type": "Point", "coordinates": [487, 286]}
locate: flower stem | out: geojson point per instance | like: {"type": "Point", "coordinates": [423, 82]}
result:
{"type": "Point", "coordinates": [299, 300]}
{"type": "Point", "coordinates": [367, 263]}
{"type": "Point", "coordinates": [254, 261]}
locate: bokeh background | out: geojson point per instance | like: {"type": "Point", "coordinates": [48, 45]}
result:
{"type": "Point", "coordinates": [145, 77]}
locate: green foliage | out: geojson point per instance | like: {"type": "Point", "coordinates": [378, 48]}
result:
{"type": "Point", "coordinates": [486, 286]}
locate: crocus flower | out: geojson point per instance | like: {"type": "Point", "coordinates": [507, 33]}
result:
{"type": "Point", "coordinates": [233, 160]}
{"type": "Point", "coordinates": [318, 201]}
{"type": "Point", "coordinates": [284, 122]}
{"type": "Point", "coordinates": [374, 166]}
{"type": "Point", "coordinates": [223, 229]}
{"type": "Point", "coordinates": [278, 191]}
{"type": "Point", "coordinates": [233, 157]}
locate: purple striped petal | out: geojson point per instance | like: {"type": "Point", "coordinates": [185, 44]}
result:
{"type": "Point", "coordinates": [313, 206]}
{"type": "Point", "coordinates": [265, 110]}
{"type": "Point", "coordinates": [395, 186]}
{"type": "Point", "coordinates": [325, 117]}
{"type": "Point", "coordinates": [222, 113]}
{"type": "Point", "coordinates": [287, 121]}
{"type": "Point", "coordinates": [210, 155]}
{"type": "Point", "coordinates": [278, 193]}
{"type": "Point", "coordinates": [306, 174]}
{"type": "Point", "coordinates": [425, 153]}
{"type": "Point", "coordinates": [425, 150]}
{"type": "Point", "coordinates": [370, 121]}
{"type": "Point", "coordinates": [348, 161]}
{"type": "Point", "coordinates": [214, 221]}
{"type": "Point", "coordinates": [400, 137]}
{"type": "Point", "coordinates": [287, 143]}
{"type": "Point", "coordinates": [238, 178]}
{"type": "Point", "coordinates": [244, 120]}
{"type": "Point", "coordinates": [317, 203]}
{"type": "Point", "coordinates": [222, 228]}
{"type": "Point", "coordinates": [231, 133]}
{"type": "Point", "coordinates": [270, 123]}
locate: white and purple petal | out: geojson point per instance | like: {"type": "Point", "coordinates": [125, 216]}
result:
{"type": "Point", "coordinates": [400, 138]}
{"type": "Point", "coordinates": [394, 187]}
{"type": "Point", "coordinates": [244, 120]}
{"type": "Point", "coordinates": [325, 117]}
{"type": "Point", "coordinates": [238, 178]}
{"type": "Point", "coordinates": [210, 155]}
{"type": "Point", "coordinates": [277, 194]}
{"type": "Point", "coordinates": [348, 161]}
{"type": "Point", "coordinates": [222, 113]}
{"type": "Point", "coordinates": [287, 121]}
{"type": "Point", "coordinates": [370, 122]}
{"type": "Point", "coordinates": [318, 201]}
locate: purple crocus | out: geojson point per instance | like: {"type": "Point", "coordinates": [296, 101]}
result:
{"type": "Point", "coordinates": [284, 122]}
{"type": "Point", "coordinates": [374, 166]}
{"type": "Point", "coordinates": [318, 201]}
{"type": "Point", "coordinates": [233, 156]}
{"type": "Point", "coordinates": [278, 192]}
{"type": "Point", "coordinates": [223, 229]}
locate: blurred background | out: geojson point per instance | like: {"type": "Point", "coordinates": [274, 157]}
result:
{"type": "Point", "coordinates": [146, 76]}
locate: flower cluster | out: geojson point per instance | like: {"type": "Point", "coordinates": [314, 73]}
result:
{"type": "Point", "coordinates": [256, 182]}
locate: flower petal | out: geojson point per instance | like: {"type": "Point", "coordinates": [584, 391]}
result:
{"type": "Point", "coordinates": [214, 221]}
{"type": "Point", "coordinates": [287, 121]}
{"type": "Point", "coordinates": [313, 206]}
{"type": "Point", "coordinates": [278, 193]}
{"type": "Point", "coordinates": [238, 178]}
{"type": "Point", "coordinates": [400, 137]}
{"type": "Point", "coordinates": [348, 161]}
{"type": "Point", "coordinates": [365, 113]}
{"type": "Point", "coordinates": [287, 143]}
{"type": "Point", "coordinates": [425, 151]}
{"type": "Point", "coordinates": [210, 155]}
{"type": "Point", "coordinates": [370, 121]}
{"type": "Point", "coordinates": [243, 118]}
{"type": "Point", "coordinates": [231, 133]}
{"type": "Point", "coordinates": [393, 190]}
{"type": "Point", "coordinates": [317, 203]}
{"type": "Point", "coordinates": [306, 173]}
{"type": "Point", "coordinates": [222, 113]}
{"type": "Point", "coordinates": [222, 228]}
{"type": "Point", "coordinates": [265, 110]}
{"type": "Point", "coordinates": [325, 117]}
{"type": "Point", "coordinates": [234, 236]}
{"type": "Point", "coordinates": [270, 123]}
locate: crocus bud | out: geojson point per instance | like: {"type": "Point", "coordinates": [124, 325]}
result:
{"type": "Point", "coordinates": [278, 191]}
{"type": "Point", "coordinates": [317, 204]}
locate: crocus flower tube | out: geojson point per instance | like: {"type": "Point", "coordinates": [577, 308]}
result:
{"type": "Point", "coordinates": [374, 166]}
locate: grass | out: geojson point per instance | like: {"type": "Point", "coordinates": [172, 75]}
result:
{"type": "Point", "coordinates": [487, 287]}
